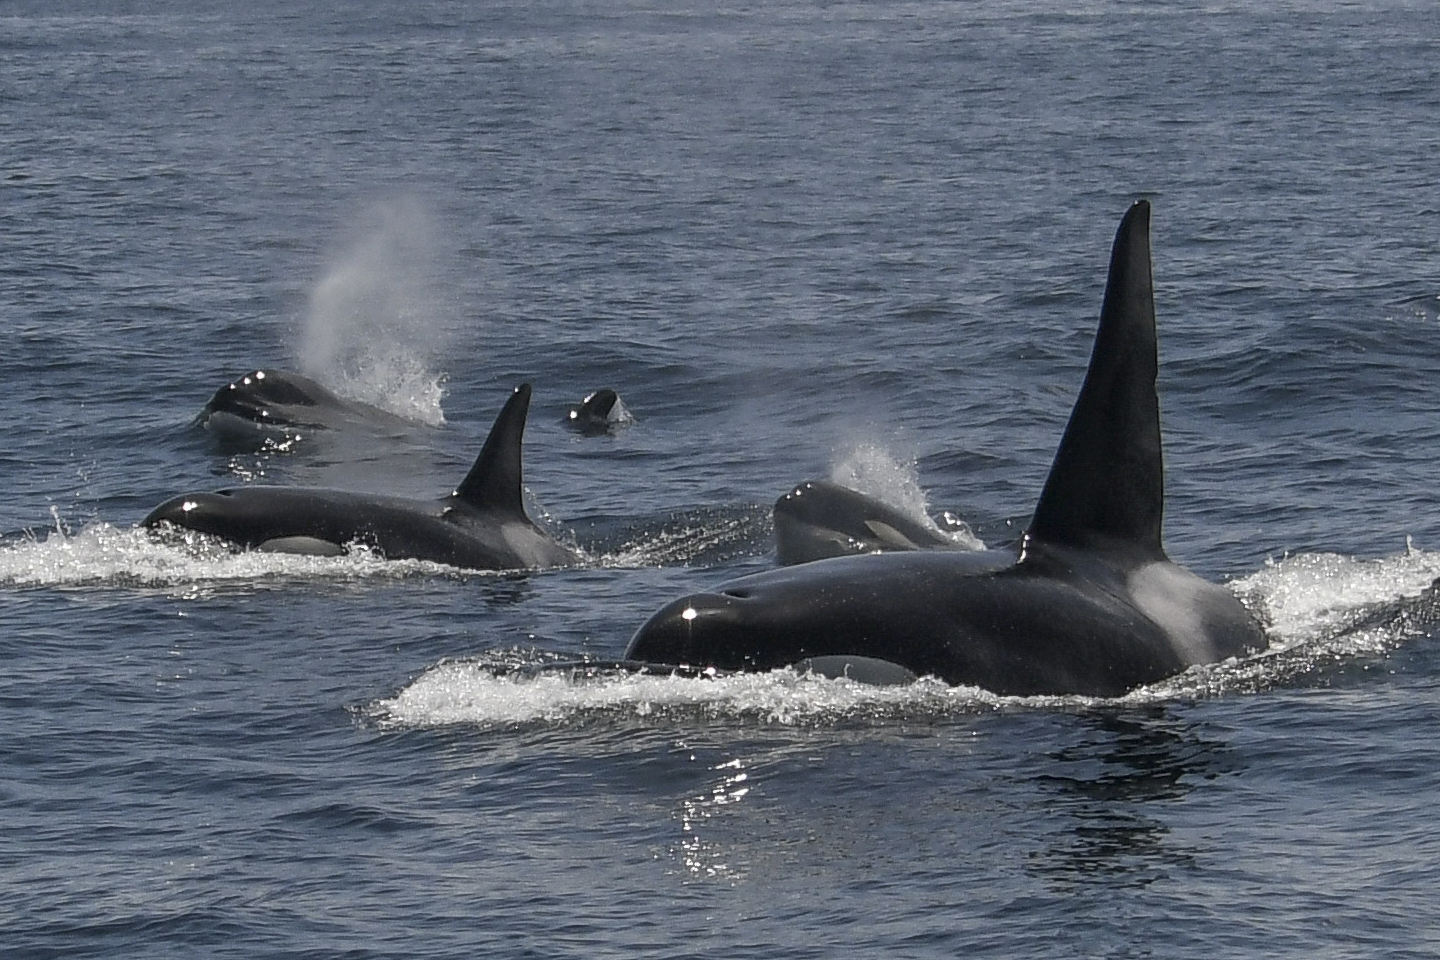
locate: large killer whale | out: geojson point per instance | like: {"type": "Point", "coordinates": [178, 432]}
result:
{"type": "Point", "coordinates": [1086, 603]}
{"type": "Point", "coordinates": [821, 518]}
{"type": "Point", "coordinates": [482, 525]}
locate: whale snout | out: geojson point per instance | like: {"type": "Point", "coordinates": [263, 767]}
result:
{"type": "Point", "coordinates": [681, 632]}
{"type": "Point", "coordinates": [187, 510]}
{"type": "Point", "coordinates": [173, 511]}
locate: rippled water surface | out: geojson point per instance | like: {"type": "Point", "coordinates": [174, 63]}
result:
{"type": "Point", "coordinates": [859, 240]}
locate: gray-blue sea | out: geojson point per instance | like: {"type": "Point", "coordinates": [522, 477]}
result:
{"type": "Point", "coordinates": [859, 240]}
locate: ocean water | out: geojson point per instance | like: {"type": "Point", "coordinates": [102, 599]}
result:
{"type": "Point", "coordinates": [859, 239]}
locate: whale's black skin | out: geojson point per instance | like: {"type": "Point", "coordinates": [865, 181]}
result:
{"type": "Point", "coordinates": [599, 413]}
{"type": "Point", "coordinates": [819, 519]}
{"type": "Point", "coordinates": [1086, 603]}
{"type": "Point", "coordinates": [277, 402]}
{"type": "Point", "coordinates": [481, 526]}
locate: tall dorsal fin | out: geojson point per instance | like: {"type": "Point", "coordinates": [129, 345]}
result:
{"type": "Point", "coordinates": [493, 483]}
{"type": "Point", "coordinates": [1107, 483]}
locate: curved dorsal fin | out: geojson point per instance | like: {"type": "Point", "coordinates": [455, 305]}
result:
{"type": "Point", "coordinates": [1107, 483]}
{"type": "Point", "coordinates": [493, 483]}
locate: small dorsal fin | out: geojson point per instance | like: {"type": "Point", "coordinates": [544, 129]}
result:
{"type": "Point", "coordinates": [1107, 483]}
{"type": "Point", "coordinates": [493, 483]}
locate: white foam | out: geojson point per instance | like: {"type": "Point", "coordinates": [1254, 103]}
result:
{"type": "Point", "coordinates": [470, 692]}
{"type": "Point", "coordinates": [106, 556]}
{"type": "Point", "coordinates": [1310, 596]}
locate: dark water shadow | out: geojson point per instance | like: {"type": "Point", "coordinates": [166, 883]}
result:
{"type": "Point", "coordinates": [1109, 789]}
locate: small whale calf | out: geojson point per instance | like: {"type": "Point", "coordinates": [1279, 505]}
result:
{"type": "Point", "coordinates": [1087, 602]}
{"type": "Point", "coordinates": [482, 525]}
{"type": "Point", "coordinates": [599, 413]}
{"type": "Point", "coordinates": [820, 518]}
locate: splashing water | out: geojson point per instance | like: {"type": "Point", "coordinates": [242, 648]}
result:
{"type": "Point", "coordinates": [870, 469]}
{"type": "Point", "coordinates": [397, 381]}
{"type": "Point", "coordinates": [471, 692]}
{"type": "Point", "coordinates": [102, 555]}
{"type": "Point", "coordinates": [695, 538]}
{"type": "Point", "coordinates": [374, 318]}
{"type": "Point", "coordinates": [105, 556]}
{"type": "Point", "coordinates": [1313, 596]}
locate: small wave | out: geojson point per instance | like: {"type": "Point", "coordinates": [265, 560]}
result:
{"type": "Point", "coordinates": [1315, 597]}
{"type": "Point", "coordinates": [1424, 305]}
{"type": "Point", "coordinates": [101, 555]}
{"type": "Point", "coordinates": [692, 538]}
{"type": "Point", "coordinates": [476, 693]}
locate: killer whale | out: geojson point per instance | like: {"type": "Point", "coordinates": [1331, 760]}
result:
{"type": "Point", "coordinates": [482, 525]}
{"type": "Point", "coordinates": [1086, 603]}
{"type": "Point", "coordinates": [271, 402]}
{"type": "Point", "coordinates": [821, 518]}
{"type": "Point", "coordinates": [600, 412]}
